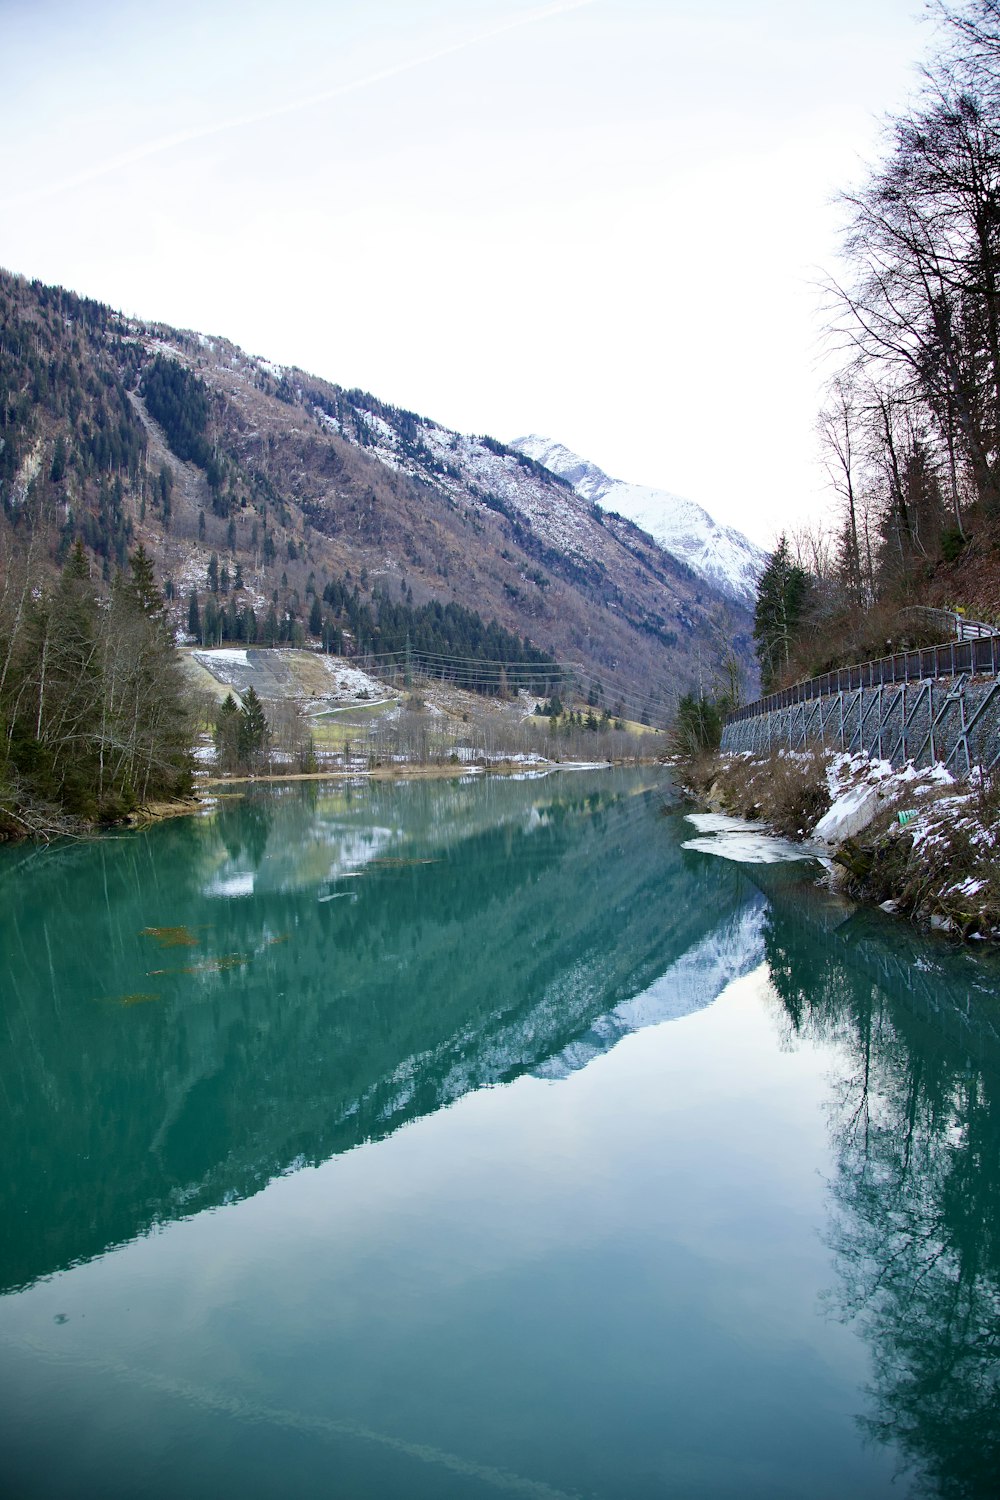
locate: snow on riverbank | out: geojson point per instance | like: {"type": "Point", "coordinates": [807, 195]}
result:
{"type": "Point", "coordinates": [918, 841]}
{"type": "Point", "coordinates": [860, 789]}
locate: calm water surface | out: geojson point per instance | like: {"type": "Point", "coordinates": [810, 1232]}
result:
{"type": "Point", "coordinates": [477, 1139]}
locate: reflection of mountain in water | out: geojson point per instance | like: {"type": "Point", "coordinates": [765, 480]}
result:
{"type": "Point", "coordinates": [693, 981]}
{"type": "Point", "coordinates": [171, 1048]}
{"type": "Point", "coordinates": [916, 1131]}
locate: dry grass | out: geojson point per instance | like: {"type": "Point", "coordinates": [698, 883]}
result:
{"type": "Point", "coordinates": [786, 790]}
{"type": "Point", "coordinates": [940, 869]}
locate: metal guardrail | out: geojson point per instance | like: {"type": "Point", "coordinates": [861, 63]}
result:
{"type": "Point", "coordinates": [979, 657]}
{"type": "Point", "coordinates": [950, 620]}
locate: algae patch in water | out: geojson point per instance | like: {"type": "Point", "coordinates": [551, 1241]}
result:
{"type": "Point", "coordinates": [398, 863]}
{"type": "Point", "coordinates": [137, 997]}
{"type": "Point", "coordinates": [171, 937]}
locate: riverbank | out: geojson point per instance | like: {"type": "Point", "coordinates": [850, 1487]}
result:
{"type": "Point", "coordinates": [49, 826]}
{"type": "Point", "coordinates": [417, 770]}
{"type": "Point", "coordinates": [920, 843]}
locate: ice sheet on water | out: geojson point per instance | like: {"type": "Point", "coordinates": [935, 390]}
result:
{"type": "Point", "coordinates": [751, 848]}
{"type": "Point", "coordinates": [712, 822]}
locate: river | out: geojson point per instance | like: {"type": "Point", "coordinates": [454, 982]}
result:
{"type": "Point", "coordinates": [476, 1138]}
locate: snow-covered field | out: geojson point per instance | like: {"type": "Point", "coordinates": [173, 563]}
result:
{"type": "Point", "coordinates": [303, 675]}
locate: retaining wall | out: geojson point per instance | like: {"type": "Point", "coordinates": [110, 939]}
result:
{"type": "Point", "coordinates": [952, 720]}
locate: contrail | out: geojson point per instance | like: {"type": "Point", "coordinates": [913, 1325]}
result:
{"type": "Point", "coordinates": [236, 1407]}
{"type": "Point", "coordinates": [201, 133]}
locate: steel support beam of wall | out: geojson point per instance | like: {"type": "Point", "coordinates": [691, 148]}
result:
{"type": "Point", "coordinates": [953, 721]}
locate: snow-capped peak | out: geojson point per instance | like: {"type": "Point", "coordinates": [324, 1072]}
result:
{"type": "Point", "coordinates": [720, 554]}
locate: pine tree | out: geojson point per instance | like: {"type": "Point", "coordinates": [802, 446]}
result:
{"type": "Point", "coordinates": [142, 586]}
{"type": "Point", "coordinates": [194, 616]}
{"type": "Point", "coordinates": [254, 732]}
{"type": "Point", "coordinates": [58, 471]}
{"type": "Point", "coordinates": [782, 597]}
{"type": "Point", "coordinates": [227, 734]}
{"type": "Point", "coordinates": [76, 564]}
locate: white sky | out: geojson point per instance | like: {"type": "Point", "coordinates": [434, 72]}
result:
{"type": "Point", "coordinates": [601, 221]}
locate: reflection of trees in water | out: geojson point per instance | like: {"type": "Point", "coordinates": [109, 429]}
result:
{"type": "Point", "coordinates": [244, 823]}
{"type": "Point", "coordinates": [916, 1224]}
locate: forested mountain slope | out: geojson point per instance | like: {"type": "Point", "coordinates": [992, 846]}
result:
{"type": "Point", "coordinates": [274, 503]}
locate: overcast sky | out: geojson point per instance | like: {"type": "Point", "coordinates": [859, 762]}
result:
{"type": "Point", "coordinates": [598, 221]}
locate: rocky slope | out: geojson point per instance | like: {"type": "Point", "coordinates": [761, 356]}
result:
{"type": "Point", "coordinates": [721, 555]}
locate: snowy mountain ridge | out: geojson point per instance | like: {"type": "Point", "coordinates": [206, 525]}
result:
{"type": "Point", "coordinates": [720, 554]}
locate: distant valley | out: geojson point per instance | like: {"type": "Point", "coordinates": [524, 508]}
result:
{"type": "Point", "coordinates": [312, 498]}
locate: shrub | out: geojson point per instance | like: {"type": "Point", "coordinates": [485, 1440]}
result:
{"type": "Point", "coordinates": [952, 542]}
{"type": "Point", "coordinates": [697, 725]}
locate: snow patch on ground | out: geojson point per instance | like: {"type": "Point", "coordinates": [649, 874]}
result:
{"type": "Point", "coordinates": [933, 838]}
{"type": "Point", "coordinates": [222, 654]}
{"type": "Point", "coordinates": [860, 788]}
{"type": "Point", "coordinates": [852, 811]}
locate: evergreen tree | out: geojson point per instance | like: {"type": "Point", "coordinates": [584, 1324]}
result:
{"type": "Point", "coordinates": [142, 585]}
{"type": "Point", "coordinates": [194, 616]}
{"type": "Point", "coordinates": [90, 696]}
{"type": "Point", "coordinates": [227, 734]}
{"type": "Point", "coordinates": [58, 471]}
{"type": "Point", "coordinates": [697, 724]}
{"type": "Point", "coordinates": [782, 597]}
{"type": "Point", "coordinates": [254, 732]}
{"type": "Point", "coordinates": [76, 564]}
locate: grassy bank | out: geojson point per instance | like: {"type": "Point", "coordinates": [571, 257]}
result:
{"type": "Point", "coordinates": [920, 843]}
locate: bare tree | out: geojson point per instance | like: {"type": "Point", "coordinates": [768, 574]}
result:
{"type": "Point", "coordinates": [838, 432]}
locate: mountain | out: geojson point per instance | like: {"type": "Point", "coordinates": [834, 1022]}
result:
{"type": "Point", "coordinates": [331, 515]}
{"type": "Point", "coordinates": [721, 555]}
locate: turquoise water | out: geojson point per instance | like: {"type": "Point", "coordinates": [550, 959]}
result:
{"type": "Point", "coordinates": [465, 1139]}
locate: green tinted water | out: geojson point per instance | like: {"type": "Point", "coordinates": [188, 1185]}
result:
{"type": "Point", "coordinates": [464, 1140]}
